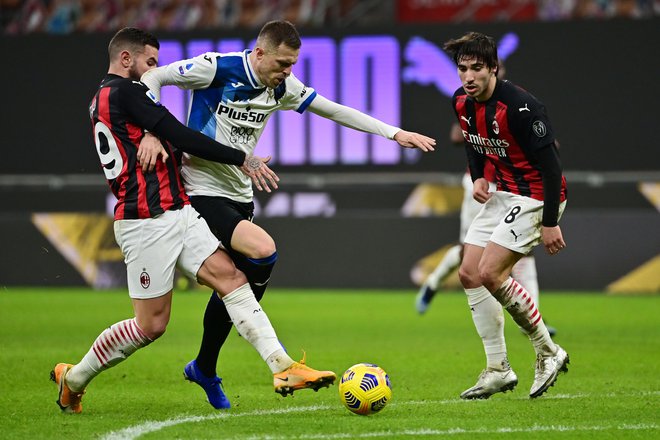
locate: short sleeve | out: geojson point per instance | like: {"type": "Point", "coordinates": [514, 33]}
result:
{"type": "Point", "coordinates": [193, 73]}
{"type": "Point", "coordinates": [297, 95]}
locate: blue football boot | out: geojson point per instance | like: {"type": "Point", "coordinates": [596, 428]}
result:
{"type": "Point", "coordinates": [211, 385]}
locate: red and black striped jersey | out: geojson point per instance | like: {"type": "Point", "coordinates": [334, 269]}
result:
{"type": "Point", "coordinates": [507, 130]}
{"type": "Point", "coordinates": [121, 111]}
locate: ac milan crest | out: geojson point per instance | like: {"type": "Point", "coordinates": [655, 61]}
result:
{"type": "Point", "coordinates": [145, 280]}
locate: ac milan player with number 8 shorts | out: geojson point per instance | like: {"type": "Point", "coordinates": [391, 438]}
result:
{"type": "Point", "coordinates": [508, 127]}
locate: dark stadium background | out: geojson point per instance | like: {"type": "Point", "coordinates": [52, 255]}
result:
{"type": "Point", "coordinates": [597, 78]}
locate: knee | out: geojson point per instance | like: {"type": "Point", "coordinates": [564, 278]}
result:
{"type": "Point", "coordinates": [490, 278]}
{"type": "Point", "coordinates": [228, 273]}
{"type": "Point", "coordinates": [220, 273]}
{"type": "Point", "coordinates": [468, 277]}
{"type": "Point", "coordinates": [263, 250]}
{"type": "Point", "coordinates": [154, 330]}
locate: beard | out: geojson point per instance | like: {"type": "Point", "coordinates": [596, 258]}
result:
{"type": "Point", "coordinates": [134, 73]}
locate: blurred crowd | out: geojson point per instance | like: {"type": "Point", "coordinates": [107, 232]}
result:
{"type": "Point", "coordinates": [597, 9]}
{"type": "Point", "coordinates": [66, 16]}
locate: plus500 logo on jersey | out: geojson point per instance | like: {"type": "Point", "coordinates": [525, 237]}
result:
{"type": "Point", "coordinates": [241, 115]}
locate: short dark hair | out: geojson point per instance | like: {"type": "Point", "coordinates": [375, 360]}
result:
{"type": "Point", "coordinates": [132, 39]}
{"type": "Point", "coordinates": [473, 44]}
{"type": "Point", "coordinates": [277, 32]}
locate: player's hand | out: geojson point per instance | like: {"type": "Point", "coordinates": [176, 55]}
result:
{"type": "Point", "coordinates": [149, 150]}
{"type": "Point", "coordinates": [480, 191]}
{"type": "Point", "coordinates": [408, 139]}
{"type": "Point", "coordinates": [256, 169]}
{"type": "Point", "coordinates": [553, 241]}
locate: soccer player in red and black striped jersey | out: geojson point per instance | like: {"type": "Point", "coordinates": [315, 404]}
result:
{"type": "Point", "coordinates": [507, 127]}
{"type": "Point", "coordinates": [157, 228]}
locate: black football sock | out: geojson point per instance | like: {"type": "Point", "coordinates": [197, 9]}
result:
{"type": "Point", "coordinates": [217, 325]}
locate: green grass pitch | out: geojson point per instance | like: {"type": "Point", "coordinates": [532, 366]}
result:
{"type": "Point", "coordinates": [612, 389]}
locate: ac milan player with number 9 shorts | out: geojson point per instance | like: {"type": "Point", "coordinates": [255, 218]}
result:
{"type": "Point", "coordinates": [157, 228]}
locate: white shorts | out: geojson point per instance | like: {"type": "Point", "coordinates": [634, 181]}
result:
{"type": "Point", "coordinates": [510, 220]}
{"type": "Point", "coordinates": [153, 247]}
{"type": "Point", "coordinates": [470, 207]}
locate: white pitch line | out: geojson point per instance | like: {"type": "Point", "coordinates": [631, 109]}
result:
{"type": "Point", "coordinates": [456, 431]}
{"type": "Point", "coordinates": [136, 431]}
{"type": "Point", "coordinates": [133, 432]}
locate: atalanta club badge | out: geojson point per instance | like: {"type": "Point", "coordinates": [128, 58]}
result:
{"type": "Point", "coordinates": [145, 279]}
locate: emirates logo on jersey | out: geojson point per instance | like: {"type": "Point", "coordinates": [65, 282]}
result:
{"type": "Point", "coordinates": [145, 279]}
{"type": "Point", "coordinates": [496, 127]}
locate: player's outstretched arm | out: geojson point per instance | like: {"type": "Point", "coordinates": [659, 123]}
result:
{"type": "Point", "coordinates": [355, 119]}
{"type": "Point", "coordinates": [196, 143]}
{"type": "Point", "coordinates": [409, 139]}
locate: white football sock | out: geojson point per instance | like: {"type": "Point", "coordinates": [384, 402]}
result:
{"type": "Point", "coordinates": [252, 323]}
{"type": "Point", "coordinates": [518, 302]}
{"type": "Point", "coordinates": [489, 320]}
{"type": "Point", "coordinates": [450, 261]}
{"type": "Point", "coordinates": [525, 273]}
{"type": "Point", "coordinates": [112, 346]}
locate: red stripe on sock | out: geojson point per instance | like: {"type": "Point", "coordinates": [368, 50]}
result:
{"type": "Point", "coordinates": [114, 339]}
{"type": "Point", "coordinates": [101, 344]}
{"type": "Point", "coordinates": [130, 325]}
{"type": "Point", "coordinates": [537, 321]}
{"type": "Point", "coordinates": [123, 333]}
{"type": "Point", "coordinates": [99, 356]}
{"type": "Point", "coordinates": [128, 328]}
{"type": "Point", "coordinates": [109, 342]}
{"type": "Point", "coordinates": [139, 330]}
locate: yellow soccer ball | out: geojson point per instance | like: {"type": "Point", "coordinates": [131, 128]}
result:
{"type": "Point", "coordinates": [365, 389]}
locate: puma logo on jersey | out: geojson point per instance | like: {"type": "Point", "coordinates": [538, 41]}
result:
{"type": "Point", "coordinates": [467, 120]}
{"type": "Point", "coordinates": [237, 84]}
{"type": "Point", "coordinates": [523, 109]}
{"type": "Point", "coordinates": [514, 235]}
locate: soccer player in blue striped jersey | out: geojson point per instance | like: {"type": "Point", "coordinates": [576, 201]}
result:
{"type": "Point", "coordinates": [233, 95]}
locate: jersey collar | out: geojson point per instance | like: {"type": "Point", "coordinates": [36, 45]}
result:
{"type": "Point", "coordinates": [249, 71]}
